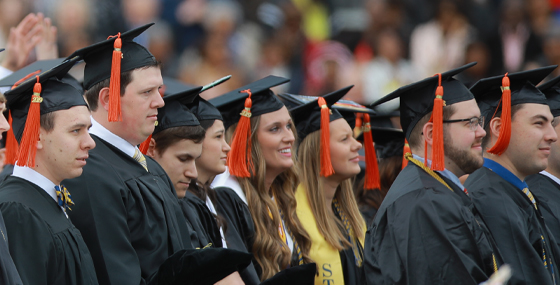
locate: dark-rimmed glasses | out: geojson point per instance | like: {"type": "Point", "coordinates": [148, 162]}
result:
{"type": "Point", "coordinates": [474, 122]}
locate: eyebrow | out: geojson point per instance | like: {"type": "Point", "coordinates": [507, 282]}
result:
{"type": "Point", "coordinates": [80, 126]}
{"type": "Point", "coordinates": [542, 117]}
{"type": "Point", "coordinates": [279, 123]}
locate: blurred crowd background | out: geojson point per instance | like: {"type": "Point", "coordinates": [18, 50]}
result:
{"type": "Point", "coordinates": [322, 45]}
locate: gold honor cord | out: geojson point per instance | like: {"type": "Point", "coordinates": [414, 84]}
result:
{"type": "Point", "coordinates": [409, 157]}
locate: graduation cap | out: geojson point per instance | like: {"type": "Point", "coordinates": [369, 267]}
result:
{"type": "Point", "coordinates": [202, 266]}
{"type": "Point", "coordinates": [502, 92]}
{"type": "Point", "coordinates": [239, 105]}
{"type": "Point", "coordinates": [430, 95]}
{"type": "Point", "coordinates": [203, 109]}
{"type": "Point", "coordinates": [388, 141]}
{"type": "Point", "coordinates": [551, 90]}
{"type": "Point", "coordinates": [174, 113]}
{"type": "Point", "coordinates": [39, 95]}
{"type": "Point", "coordinates": [172, 86]}
{"type": "Point", "coordinates": [109, 58]}
{"type": "Point", "coordinates": [37, 66]}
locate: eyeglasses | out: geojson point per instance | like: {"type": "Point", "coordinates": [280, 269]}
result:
{"type": "Point", "coordinates": [474, 122]}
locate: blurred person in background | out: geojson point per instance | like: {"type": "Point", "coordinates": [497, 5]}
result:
{"type": "Point", "coordinates": [74, 28]}
{"type": "Point", "coordinates": [440, 44]}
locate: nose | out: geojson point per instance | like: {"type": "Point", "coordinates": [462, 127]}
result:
{"type": "Point", "coordinates": [158, 101]}
{"type": "Point", "coordinates": [88, 142]}
{"type": "Point", "coordinates": [190, 171]}
{"type": "Point", "coordinates": [479, 132]}
{"type": "Point", "coordinates": [551, 134]}
{"type": "Point", "coordinates": [289, 137]}
{"type": "Point", "coordinates": [356, 145]}
{"type": "Point", "coordinates": [225, 146]}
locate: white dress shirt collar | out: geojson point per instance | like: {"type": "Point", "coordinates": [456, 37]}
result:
{"type": "Point", "coordinates": [549, 175]}
{"type": "Point", "coordinates": [106, 135]}
{"type": "Point", "coordinates": [36, 178]}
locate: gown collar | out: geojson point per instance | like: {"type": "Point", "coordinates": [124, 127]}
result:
{"type": "Point", "coordinates": [505, 174]}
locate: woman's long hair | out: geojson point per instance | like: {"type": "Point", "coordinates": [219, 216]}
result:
{"type": "Point", "coordinates": [329, 226]}
{"type": "Point", "coordinates": [269, 249]}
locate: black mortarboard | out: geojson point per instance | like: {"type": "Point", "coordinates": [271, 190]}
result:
{"type": "Point", "coordinates": [417, 99]}
{"type": "Point", "coordinates": [296, 275]}
{"type": "Point", "coordinates": [202, 266]}
{"type": "Point", "coordinates": [32, 98]}
{"type": "Point", "coordinates": [488, 91]}
{"type": "Point", "coordinates": [109, 59]}
{"type": "Point", "coordinates": [98, 57]}
{"type": "Point", "coordinates": [551, 90]}
{"type": "Point", "coordinates": [203, 109]}
{"type": "Point", "coordinates": [172, 86]}
{"type": "Point", "coordinates": [263, 99]}
{"type": "Point", "coordinates": [39, 65]}
{"type": "Point", "coordinates": [175, 113]}
{"type": "Point", "coordinates": [307, 116]}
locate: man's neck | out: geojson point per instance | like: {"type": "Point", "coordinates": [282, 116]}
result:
{"type": "Point", "coordinates": [504, 161]}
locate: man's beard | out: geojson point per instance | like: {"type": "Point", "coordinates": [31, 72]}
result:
{"type": "Point", "coordinates": [463, 158]}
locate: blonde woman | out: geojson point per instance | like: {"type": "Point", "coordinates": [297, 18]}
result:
{"type": "Point", "coordinates": [328, 160]}
{"type": "Point", "coordinates": [261, 175]}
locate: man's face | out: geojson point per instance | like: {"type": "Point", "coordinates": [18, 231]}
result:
{"type": "Point", "coordinates": [462, 146]}
{"type": "Point", "coordinates": [532, 136]}
{"type": "Point", "coordinates": [62, 152]}
{"type": "Point", "coordinates": [139, 105]}
{"type": "Point", "coordinates": [554, 158]}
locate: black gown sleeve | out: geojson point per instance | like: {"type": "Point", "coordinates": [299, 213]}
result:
{"type": "Point", "coordinates": [8, 271]}
{"type": "Point", "coordinates": [32, 248]}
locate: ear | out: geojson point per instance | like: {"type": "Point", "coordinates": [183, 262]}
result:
{"type": "Point", "coordinates": [42, 134]}
{"type": "Point", "coordinates": [104, 98]}
{"type": "Point", "coordinates": [495, 126]}
{"type": "Point", "coordinates": [427, 133]}
{"type": "Point", "coordinates": [151, 148]}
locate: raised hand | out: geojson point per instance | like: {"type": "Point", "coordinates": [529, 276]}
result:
{"type": "Point", "coordinates": [47, 47]}
{"type": "Point", "coordinates": [22, 40]}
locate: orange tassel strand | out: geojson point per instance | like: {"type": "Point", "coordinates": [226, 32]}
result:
{"type": "Point", "coordinates": [505, 129]}
{"type": "Point", "coordinates": [115, 82]}
{"type": "Point", "coordinates": [239, 160]}
{"type": "Point", "coordinates": [28, 147]}
{"type": "Point", "coordinates": [372, 169]}
{"type": "Point", "coordinates": [406, 149]}
{"type": "Point", "coordinates": [326, 165]}
{"type": "Point", "coordinates": [438, 158]}
{"type": "Point", "coordinates": [145, 145]}
{"type": "Point", "coordinates": [10, 156]}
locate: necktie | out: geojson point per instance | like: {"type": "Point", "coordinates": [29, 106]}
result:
{"type": "Point", "coordinates": [64, 198]}
{"type": "Point", "coordinates": [138, 156]}
{"type": "Point", "coordinates": [530, 196]}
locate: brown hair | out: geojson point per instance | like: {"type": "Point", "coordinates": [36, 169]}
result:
{"type": "Point", "coordinates": [486, 139]}
{"type": "Point", "coordinates": [92, 94]}
{"type": "Point", "coordinates": [416, 140]}
{"type": "Point", "coordinates": [168, 137]}
{"type": "Point", "coordinates": [267, 246]}
{"type": "Point", "coordinates": [389, 169]}
{"type": "Point", "coordinates": [330, 227]}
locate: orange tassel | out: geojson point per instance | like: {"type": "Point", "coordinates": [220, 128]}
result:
{"type": "Point", "coordinates": [372, 169]}
{"type": "Point", "coordinates": [438, 158]}
{"type": "Point", "coordinates": [10, 156]}
{"type": "Point", "coordinates": [115, 83]}
{"type": "Point", "coordinates": [239, 159]}
{"type": "Point", "coordinates": [326, 165]}
{"type": "Point", "coordinates": [505, 130]}
{"type": "Point", "coordinates": [406, 149]}
{"type": "Point", "coordinates": [28, 147]}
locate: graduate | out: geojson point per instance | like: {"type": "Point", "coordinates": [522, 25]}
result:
{"type": "Point", "coordinates": [519, 137]}
{"type": "Point", "coordinates": [427, 230]}
{"type": "Point", "coordinates": [50, 121]}
{"type": "Point", "coordinates": [545, 186]}
{"type": "Point", "coordinates": [233, 230]}
{"type": "Point", "coordinates": [328, 160]}
{"type": "Point", "coordinates": [129, 216]}
{"type": "Point", "coordinates": [261, 175]}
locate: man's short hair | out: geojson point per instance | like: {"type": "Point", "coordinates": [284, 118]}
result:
{"type": "Point", "coordinates": [487, 138]}
{"type": "Point", "coordinates": [170, 136]}
{"type": "Point", "coordinates": [92, 94]}
{"type": "Point", "coordinates": [416, 134]}
{"type": "Point", "coordinates": [47, 121]}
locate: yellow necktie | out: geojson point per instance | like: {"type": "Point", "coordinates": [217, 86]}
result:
{"type": "Point", "coordinates": [138, 156]}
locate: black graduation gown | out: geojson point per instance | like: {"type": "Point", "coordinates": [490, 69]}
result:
{"type": "Point", "coordinates": [423, 233]}
{"type": "Point", "coordinates": [6, 171]}
{"type": "Point", "coordinates": [516, 226]}
{"type": "Point", "coordinates": [240, 230]}
{"type": "Point", "coordinates": [45, 246]}
{"type": "Point", "coordinates": [8, 271]}
{"type": "Point", "coordinates": [205, 230]}
{"type": "Point", "coordinates": [130, 219]}
{"type": "Point", "coordinates": [547, 192]}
